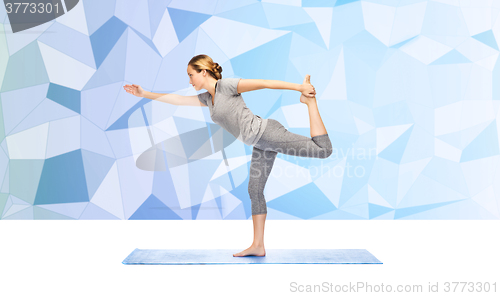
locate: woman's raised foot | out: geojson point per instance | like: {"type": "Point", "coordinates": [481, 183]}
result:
{"type": "Point", "coordinates": [306, 100]}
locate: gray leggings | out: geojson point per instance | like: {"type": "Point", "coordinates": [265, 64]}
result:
{"type": "Point", "coordinates": [276, 138]}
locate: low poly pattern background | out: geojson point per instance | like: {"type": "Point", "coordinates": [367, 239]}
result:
{"type": "Point", "coordinates": [409, 92]}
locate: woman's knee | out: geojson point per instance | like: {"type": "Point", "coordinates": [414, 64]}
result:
{"type": "Point", "coordinates": [324, 142]}
{"type": "Point", "coordinates": [256, 194]}
{"type": "Point", "coordinates": [327, 152]}
{"type": "Point", "coordinates": [254, 188]}
{"type": "Point", "coordinates": [323, 151]}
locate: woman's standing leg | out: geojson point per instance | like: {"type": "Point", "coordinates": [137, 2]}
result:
{"type": "Point", "coordinates": [260, 168]}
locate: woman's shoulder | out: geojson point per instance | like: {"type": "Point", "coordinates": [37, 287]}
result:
{"type": "Point", "coordinates": [230, 79]}
{"type": "Point", "coordinates": [229, 85]}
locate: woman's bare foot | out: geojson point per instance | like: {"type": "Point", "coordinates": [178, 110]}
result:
{"type": "Point", "coordinates": [252, 251]}
{"type": "Point", "coordinates": [306, 100]}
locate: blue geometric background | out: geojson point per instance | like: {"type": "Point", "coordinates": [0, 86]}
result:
{"type": "Point", "coordinates": [408, 90]}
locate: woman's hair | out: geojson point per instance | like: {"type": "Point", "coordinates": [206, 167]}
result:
{"type": "Point", "coordinates": [203, 62]}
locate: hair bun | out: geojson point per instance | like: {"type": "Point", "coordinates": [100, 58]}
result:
{"type": "Point", "coordinates": [217, 68]}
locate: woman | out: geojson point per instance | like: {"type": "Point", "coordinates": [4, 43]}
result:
{"type": "Point", "coordinates": [268, 136]}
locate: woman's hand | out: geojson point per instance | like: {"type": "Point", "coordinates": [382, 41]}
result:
{"type": "Point", "coordinates": [307, 89]}
{"type": "Point", "coordinates": [134, 89]}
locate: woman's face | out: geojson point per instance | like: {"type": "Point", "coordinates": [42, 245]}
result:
{"type": "Point", "coordinates": [195, 79]}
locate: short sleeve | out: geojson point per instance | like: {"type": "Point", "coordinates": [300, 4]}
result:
{"type": "Point", "coordinates": [203, 98]}
{"type": "Point", "coordinates": [229, 86]}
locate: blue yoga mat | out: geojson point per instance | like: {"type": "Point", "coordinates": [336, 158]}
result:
{"type": "Point", "coordinates": [273, 256]}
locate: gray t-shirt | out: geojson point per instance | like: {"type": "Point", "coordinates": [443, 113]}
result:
{"type": "Point", "coordinates": [230, 112]}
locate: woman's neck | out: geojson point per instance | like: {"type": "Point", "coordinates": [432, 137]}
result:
{"type": "Point", "coordinates": [211, 87]}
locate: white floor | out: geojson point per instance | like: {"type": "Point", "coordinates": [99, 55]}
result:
{"type": "Point", "coordinates": [84, 257]}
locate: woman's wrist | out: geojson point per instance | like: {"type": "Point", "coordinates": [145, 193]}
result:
{"type": "Point", "coordinates": [300, 88]}
{"type": "Point", "coordinates": [148, 95]}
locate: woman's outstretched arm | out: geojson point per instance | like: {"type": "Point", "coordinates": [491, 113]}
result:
{"type": "Point", "coordinates": [173, 99]}
{"type": "Point", "coordinates": [254, 84]}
